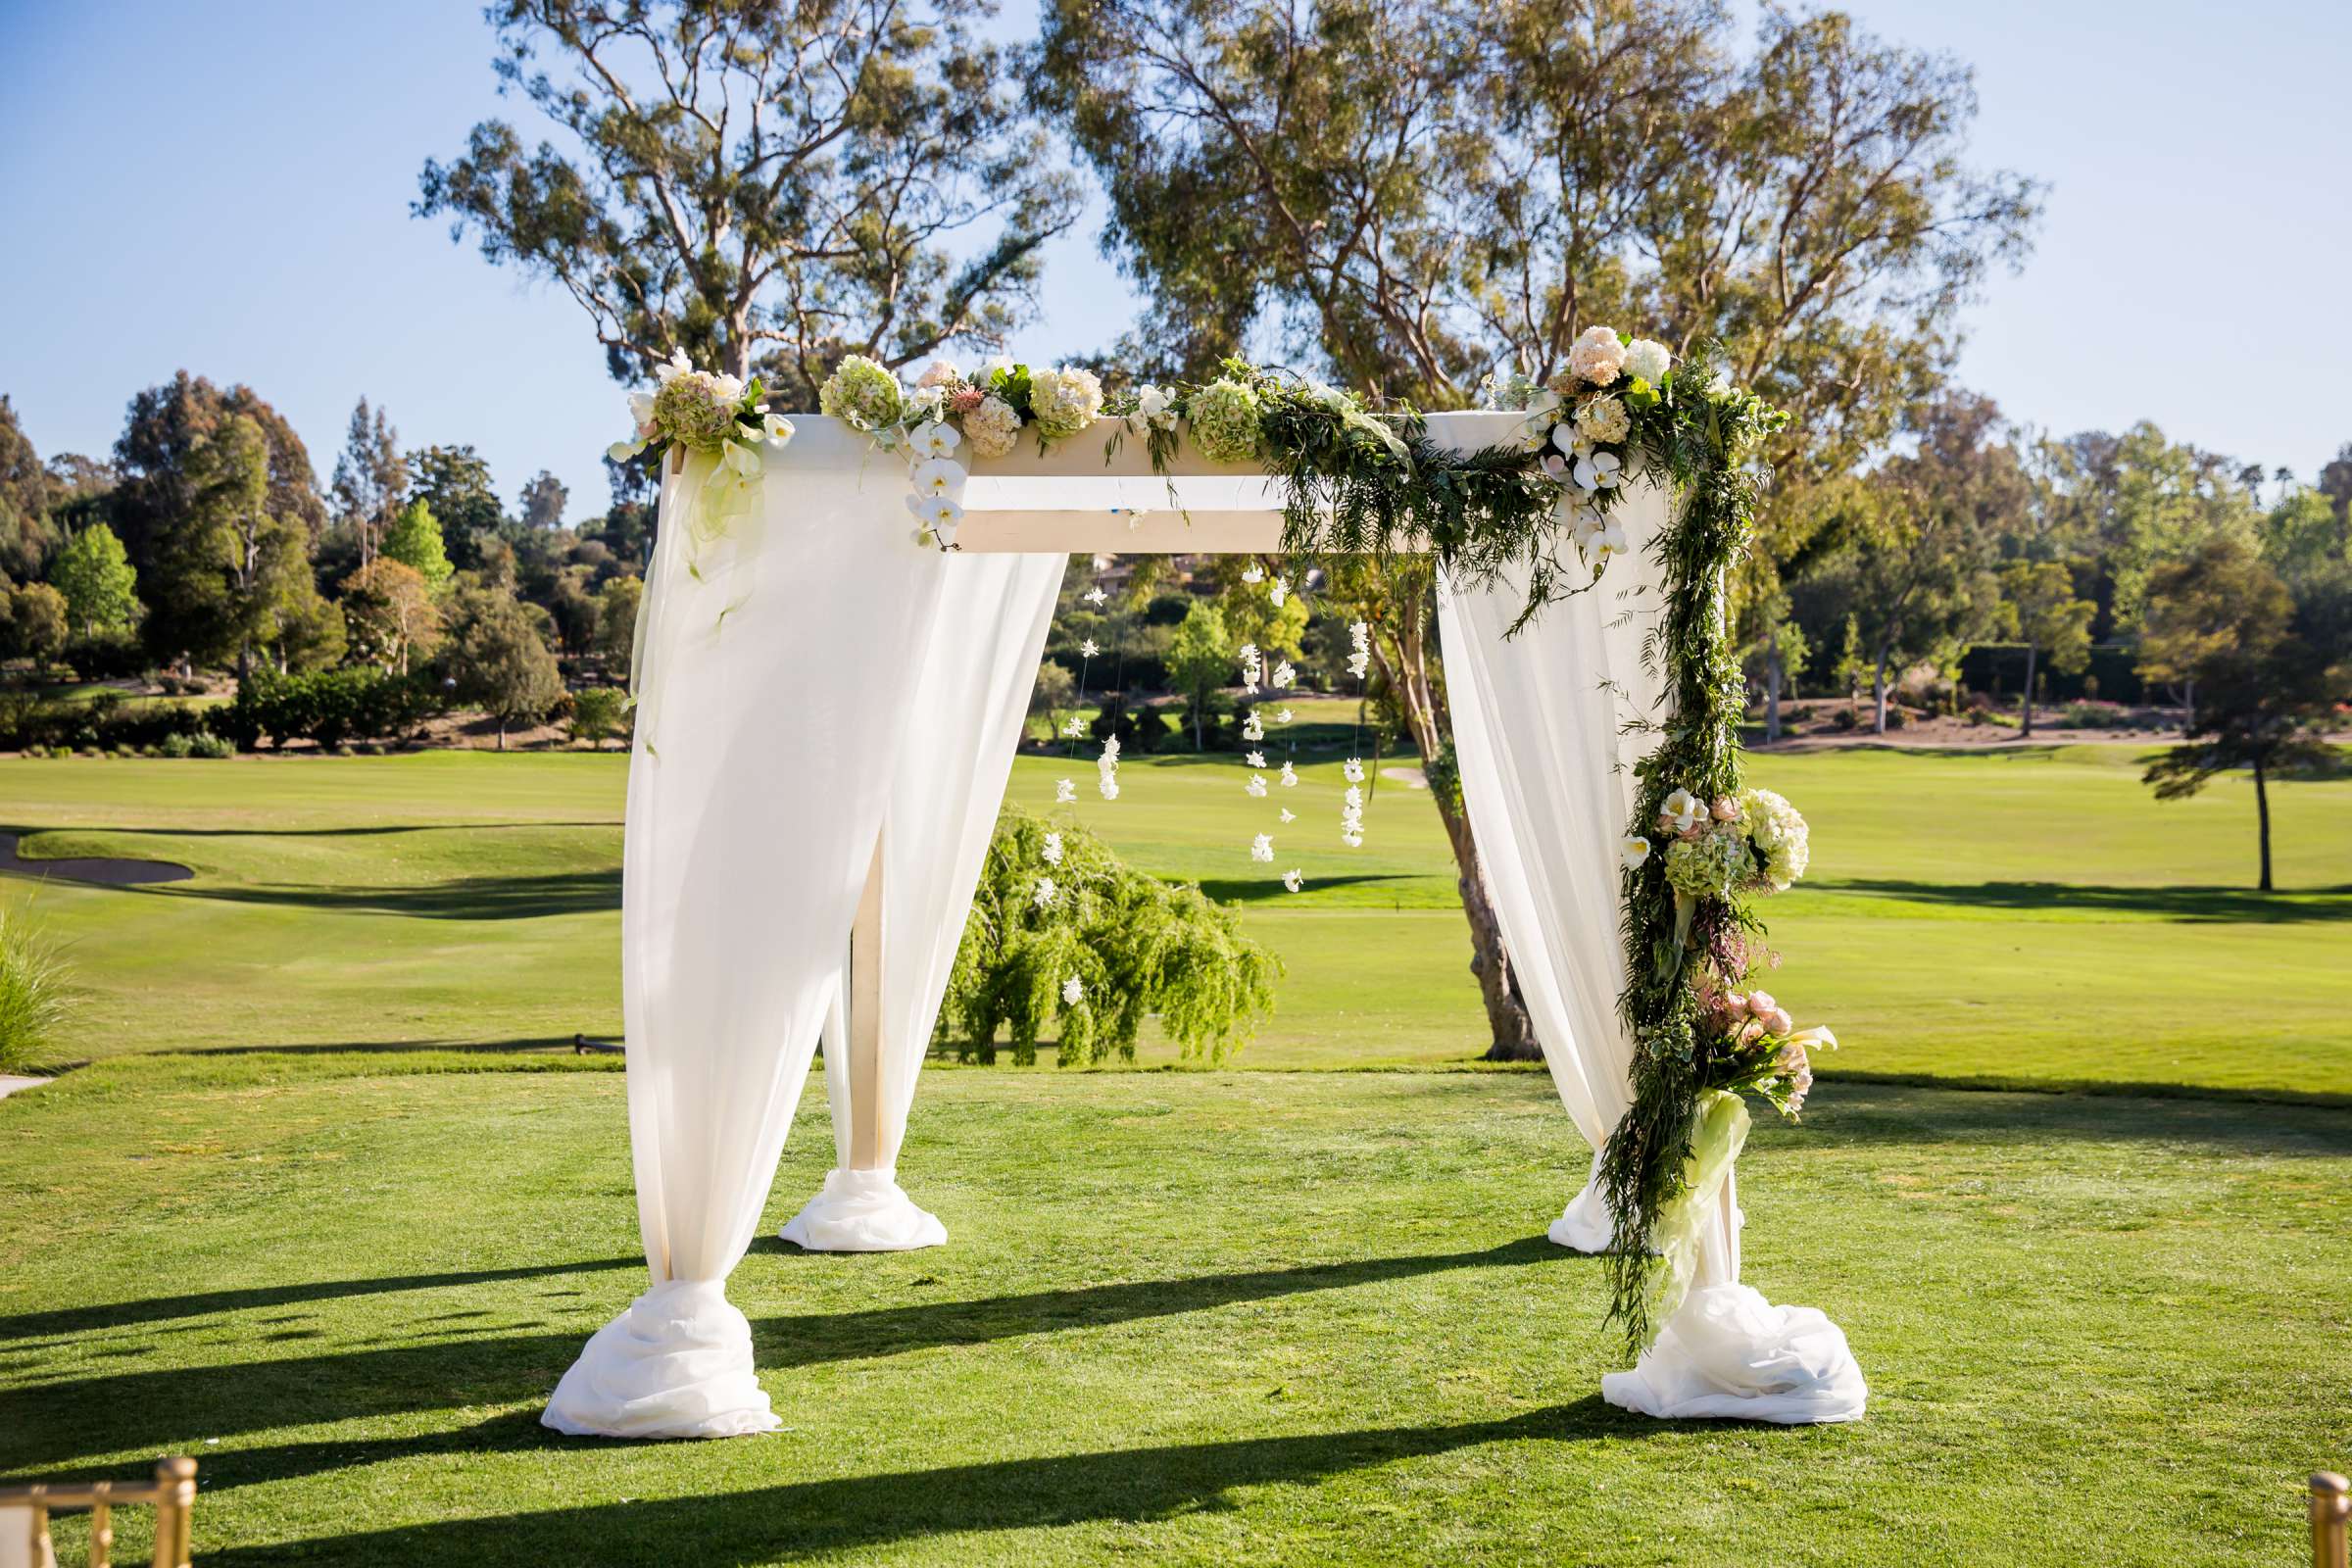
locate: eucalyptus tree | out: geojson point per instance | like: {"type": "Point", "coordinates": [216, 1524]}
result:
{"type": "Point", "coordinates": [767, 186]}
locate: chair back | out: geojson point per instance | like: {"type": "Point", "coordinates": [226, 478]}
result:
{"type": "Point", "coordinates": [2330, 1507]}
{"type": "Point", "coordinates": [24, 1517]}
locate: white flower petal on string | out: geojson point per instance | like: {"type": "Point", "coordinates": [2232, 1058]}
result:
{"type": "Point", "coordinates": [1292, 880]}
{"type": "Point", "coordinates": [1253, 573]}
{"type": "Point", "coordinates": [1261, 848]}
{"type": "Point", "coordinates": [1107, 769]}
{"type": "Point", "coordinates": [1353, 770]}
{"type": "Point", "coordinates": [1072, 993]}
{"type": "Point", "coordinates": [1045, 891]}
{"type": "Point", "coordinates": [1283, 675]}
{"type": "Point", "coordinates": [934, 439]}
{"type": "Point", "coordinates": [1290, 777]}
{"type": "Point", "coordinates": [1053, 848]}
{"type": "Point", "coordinates": [1095, 596]}
{"type": "Point", "coordinates": [1254, 759]}
{"type": "Point", "coordinates": [1280, 591]}
{"type": "Point", "coordinates": [1282, 715]}
{"type": "Point", "coordinates": [1359, 639]}
{"type": "Point", "coordinates": [1253, 728]}
{"type": "Point", "coordinates": [1087, 648]}
{"type": "Point", "coordinates": [1289, 815]}
{"type": "Point", "coordinates": [940, 476]}
{"type": "Point", "coordinates": [1257, 786]}
{"type": "Point", "coordinates": [1072, 728]}
{"type": "Point", "coordinates": [1064, 791]}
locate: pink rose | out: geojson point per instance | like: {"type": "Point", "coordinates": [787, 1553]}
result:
{"type": "Point", "coordinates": [1760, 1003]}
{"type": "Point", "coordinates": [1750, 1032]}
{"type": "Point", "coordinates": [1726, 808]}
{"type": "Point", "coordinates": [1781, 1022]}
{"type": "Point", "coordinates": [1734, 1001]}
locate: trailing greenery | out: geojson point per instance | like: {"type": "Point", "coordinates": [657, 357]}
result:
{"type": "Point", "coordinates": [34, 990]}
{"type": "Point", "coordinates": [1536, 513]}
{"type": "Point", "coordinates": [1135, 946]}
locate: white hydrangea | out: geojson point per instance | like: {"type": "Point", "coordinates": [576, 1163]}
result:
{"type": "Point", "coordinates": [1647, 360]}
{"type": "Point", "coordinates": [992, 427]}
{"type": "Point", "coordinates": [1064, 400]}
{"type": "Point", "coordinates": [1779, 833]}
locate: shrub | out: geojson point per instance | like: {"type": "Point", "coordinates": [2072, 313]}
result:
{"type": "Point", "coordinates": [33, 996]}
{"type": "Point", "coordinates": [1845, 718]}
{"type": "Point", "coordinates": [598, 711]}
{"type": "Point", "coordinates": [1136, 945]}
{"type": "Point", "coordinates": [329, 707]}
{"type": "Point", "coordinates": [107, 656]}
{"type": "Point", "coordinates": [210, 747]}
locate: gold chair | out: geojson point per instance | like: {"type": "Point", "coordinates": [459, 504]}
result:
{"type": "Point", "coordinates": [2329, 1509]}
{"type": "Point", "coordinates": [24, 1517]}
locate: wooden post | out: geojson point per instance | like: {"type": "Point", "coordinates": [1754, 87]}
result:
{"type": "Point", "coordinates": [864, 1108]}
{"type": "Point", "coordinates": [2330, 1507]}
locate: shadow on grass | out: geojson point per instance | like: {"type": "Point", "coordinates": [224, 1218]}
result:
{"type": "Point", "coordinates": [854, 1513]}
{"type": "Point", "coordinates": [1874, 1108]}
{"type": "Point", "coordinates": [2184, 903]}
{"type": "Point", "coordinates": [163, 1308]}
{"type": "Point", "coordinates": [365, 830]}
{"type": "Point", "coordinates": [1256, 890]}
{"type": "Point", "coordinates": [390, 1048]}
{"type": "Point", "coordinates": [133, 1411]}
{"type": "Point", "coordinates": [472, 898]}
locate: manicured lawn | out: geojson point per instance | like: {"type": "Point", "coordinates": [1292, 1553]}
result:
{"type": "Point", "coordinates": [1212, 1318]}
{"type": "Point", "coordinates": [2010, 916]}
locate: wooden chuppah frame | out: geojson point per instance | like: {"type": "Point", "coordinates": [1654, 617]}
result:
{"type": "Point", "coordinates": [1114, 503]}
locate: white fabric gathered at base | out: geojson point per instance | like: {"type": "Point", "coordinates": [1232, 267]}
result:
{"type": "Point", "coordinates": [863, 1211]}
{"type": "Point", "coordinates": [1731, 1355]}
{"type": "Point", "coordinates": [676, 1364]}
{"type": "Point", "coordinates": [1584, 1224]}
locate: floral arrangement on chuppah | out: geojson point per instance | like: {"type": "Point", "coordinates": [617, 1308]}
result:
{"type": "Point", "coordinates": [701, 411]}
{"type": "Point", "coordinates": [1537, 510]}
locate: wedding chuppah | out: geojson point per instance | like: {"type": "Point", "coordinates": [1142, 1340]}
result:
{"type": "Point", "coordinates": [1583, 529]}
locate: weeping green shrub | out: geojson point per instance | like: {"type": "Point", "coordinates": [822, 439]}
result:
{"type": "Point", "coordinates": [33, 991]}
{"type": "Point", "coordinates": [1138, 947]}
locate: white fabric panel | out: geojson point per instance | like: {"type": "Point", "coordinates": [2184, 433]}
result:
{"type": "Point", "coordinates": [1549, 799]}
{"type": "Point", "coordinates": [766, 716]}
{"type": "Point", "coordinates": [965, 723]}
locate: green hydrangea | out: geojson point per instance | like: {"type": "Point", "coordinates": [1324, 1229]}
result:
{"type": "Point", "coordinates": [863, 392]}
{"type": "Point", "coordinates": [1223, 416]}
{"type": "Point", "coordinates": [690, 409]}
{"type": "Point", "coordinates": [1779, 833]}
{"type": "Point", "coordinates": [1713, 864]}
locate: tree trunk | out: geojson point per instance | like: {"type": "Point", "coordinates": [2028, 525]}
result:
{"type": "Point", "coordinates": [1197, 702]}
{"type": "Point", "coordinates": [1772, 686]}
{"type": "Point", "coordinates": [1878, 692]}
{"type": "Point", "coordinates": [2027, 732]}
{"type": "Point", "coordinates": [501, 734]}
{"type": "Point", "coordinates": [2262, 816]}
{"type": "Point", "coordinates": [1406, 668]}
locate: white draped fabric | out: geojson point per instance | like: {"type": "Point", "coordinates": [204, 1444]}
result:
{"type": "Point", "coordinates": [965, 721]}
{"type": "Point", "coordinates": [1549, 796]}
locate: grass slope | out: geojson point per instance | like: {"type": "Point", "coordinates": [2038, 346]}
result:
{"type": "Point", "coordinates": [2021, 915]}
{"type": "Point", "coordinates": [1257, 1318]}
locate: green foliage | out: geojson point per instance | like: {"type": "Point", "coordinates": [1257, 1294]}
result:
{"type": "Point", "coordinates": [499, 662]}
{"type": "Point", "coordinates": [414, 541]}
{"type": "Point", "coordinates": [617, 606]}
{"type": "Point", "coordinates": [35, 995]}
{"type": "Point", "coordinates": [26, 528]}
{"type": "Point", "coordinates": [327, 707]}
{"type": "Point", "coordinates": [1200, 660]}
{"type": "Point", "coordinates": [231, 576]}
{"type": "Point", "coordinates": [100, 586]}
{"type": "Point", "coordinates": [820, 226]}
{"type": "Point", "coordinates": [1138, 947]}
{"type": "Point", "coordinates": [455, 483]}
{"type": "Point", "coordinates": [38, 622]}
{"type": "Point", "coordinates": [598, 711]}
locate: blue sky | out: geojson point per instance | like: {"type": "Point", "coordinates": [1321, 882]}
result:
{"type": "Point", "coordinates": [225, 188]}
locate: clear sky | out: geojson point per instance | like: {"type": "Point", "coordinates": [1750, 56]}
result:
{"type": "Point", "coordinates": [225, 188]}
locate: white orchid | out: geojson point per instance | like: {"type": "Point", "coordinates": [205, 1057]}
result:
{"type": "Point", "coordinates": [1598, 470]}
{"type": "Point", "coordinates": [1261, 848]}
{"type": "Point", "coordinates": [935, 438]}
{"type": "Point", "coordinates": [1155, 410]}
{"type": "Point", "coordinates": [1612, 540]}
{"type": "Point", "coordinates": [940, 476]}
{"type": "Point", "coordinates": [939, 516]}
{"type": "Point", "coordinates": [775, 427]}
{"type": "Point", "coordinates": [1634, 850]}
